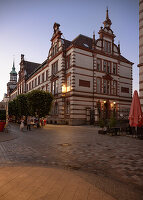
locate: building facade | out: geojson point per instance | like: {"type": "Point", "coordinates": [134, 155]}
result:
{"type": "Point", "coordinates": [141, 51]}
{"type": "Point", "coordinates": [83, 75]}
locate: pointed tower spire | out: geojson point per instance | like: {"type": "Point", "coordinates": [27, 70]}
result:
{"type": "Point", "coordinates": [107, 22]}
{"type": "Point", "coordinates": [107, 17]}
{"type": "Point", "coordinates": [13, 68]}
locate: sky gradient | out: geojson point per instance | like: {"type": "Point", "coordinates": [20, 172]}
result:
{"type": "Point", "coordinates": [27, 27]}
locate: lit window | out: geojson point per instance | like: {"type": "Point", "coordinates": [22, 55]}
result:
{"type": "Point", "coordinates": [68, 83]}
{"type": "Point", "coordinates": [54, 87]}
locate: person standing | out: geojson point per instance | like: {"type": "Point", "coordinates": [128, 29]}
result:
{"type": "Point", "coordinates": [22, 125]}
{"type": "Point", "coordinates": [28, 123]}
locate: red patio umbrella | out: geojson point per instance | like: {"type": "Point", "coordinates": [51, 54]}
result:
{"type": "Point", "coordinates": [136, 115]}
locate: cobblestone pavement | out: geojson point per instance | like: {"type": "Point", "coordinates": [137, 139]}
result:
{"type": "Point", "coordinates": [112, 163]}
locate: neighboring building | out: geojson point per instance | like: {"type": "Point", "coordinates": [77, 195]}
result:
{"type": "Point", "coordinates": [82, 74]}
{"type": "Point", "coordinates": [141, 51]}
{"type": "Point", "coordinates": [11, 85]}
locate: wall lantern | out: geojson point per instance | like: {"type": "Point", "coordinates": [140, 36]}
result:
{"type": "Point", "coordinates": [104, 101]}
{"type": "Point", "coordinates": [63, 89]}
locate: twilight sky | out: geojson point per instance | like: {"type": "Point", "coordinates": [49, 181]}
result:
{"type": "Point", "coordinates": [26, 27]}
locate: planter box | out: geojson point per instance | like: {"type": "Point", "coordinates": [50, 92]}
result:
{"type": "Point", "coordinates": [2, 124]}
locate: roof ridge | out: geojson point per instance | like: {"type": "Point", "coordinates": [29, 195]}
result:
{"type": "Point", "coordinates": [32, 62]}
{"type": "Point", "coordinates": [81, 35]}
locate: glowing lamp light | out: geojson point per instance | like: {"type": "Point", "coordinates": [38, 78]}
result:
{"type": "Point", "coordinates": [63, 89]}
{"type": "Point", "coordinates": [104, 101]}
{"type": "Point", "coordinates": [114, 102]}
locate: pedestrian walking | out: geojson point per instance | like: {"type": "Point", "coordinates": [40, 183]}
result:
{"type": "Point", "coordinates": [28, 123]}
{"type": "Point", "coordinates": [22, 125]}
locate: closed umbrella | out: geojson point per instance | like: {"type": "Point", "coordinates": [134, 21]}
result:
{"type": "Point", "coordinates": [135, 116]}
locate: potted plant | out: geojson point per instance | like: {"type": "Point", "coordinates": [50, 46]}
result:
{"type": "Point", "coordinates": [112, 125]}
{"type": "Point", "coordinates": [102, 125]}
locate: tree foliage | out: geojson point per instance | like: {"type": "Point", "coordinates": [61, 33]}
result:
{"type": "Point", "coordinates": [22, 105]}
{"type": "Point", "coordinates": [34, 103]}
{"type": "Point", "coordinates": [13, 108]}
{"type": "Point", "coordinates": [39, 102]}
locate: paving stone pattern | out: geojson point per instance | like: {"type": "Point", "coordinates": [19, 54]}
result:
{"type": "Point", "coordinates": [113, 163]}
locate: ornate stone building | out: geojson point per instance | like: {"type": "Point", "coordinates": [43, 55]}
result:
{"type": "Point", "coordinates": [141, 51]}
{"type": "Point", "coordinates": [83, 75]}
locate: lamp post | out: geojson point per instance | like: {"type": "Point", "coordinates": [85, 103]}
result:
{"type": "Point", "coordinates": [6, 100]}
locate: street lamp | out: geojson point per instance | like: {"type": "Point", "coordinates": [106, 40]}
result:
{"type": "Point", "coordinates": [6, 100]}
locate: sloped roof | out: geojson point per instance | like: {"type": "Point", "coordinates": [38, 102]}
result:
{"type": "Point", "coordinates": [30, 67]}
{"type": "Point", "coordinates": [83, 41]}
{"type": "Point", "coordinates": [67, 43]}
{"type": "Point", "coordinates": [122, 58]}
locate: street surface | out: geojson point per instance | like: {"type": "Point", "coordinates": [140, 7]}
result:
{"type": "Point", "coordinates": [114, 164]}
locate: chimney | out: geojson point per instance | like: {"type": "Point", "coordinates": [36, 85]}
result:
{"type": "Point", "coordinates": [22, 57]}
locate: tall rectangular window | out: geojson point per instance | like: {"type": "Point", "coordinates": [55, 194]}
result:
{"type": "Point", "coordinates": [32, 84]}
{"type": "Point", "coordinates": [68, 61]}
{"type": "Point", "coordinates": [115, 87]}
{"type": "Point", "coordinates": [107, 46]}
{"type": "Point", "coordinates": [68, 83]}
{"type": "Point", "coordinates": [99, 65]}
{"type": "Point", "coordinates": [55, 67]}
{"type": "Point", "coordinates": [98, 85]}
{"type": "Point", "coordinates": [54, 87]}
{"type": "Point", "coordinates": [67, 107]}
{"type": "Point", "coordinates": [105, 86]}
{"type": "Point", "coordinates": [105, 66]}
{"type": "Point", "coordinates": [43, 77]}
{"type": "Point", "coordinates": [35, 82]}
{"type": "Point", "coordinates": [47, 75]}
{"type": "Point", "coordinates": [108, 67]}
{"type": "Point", "coordinates": [39, 80]}
{"type": "Point", "coordinates": [114, 68]}
{"type": "Point", "coordinates": [108, 87]}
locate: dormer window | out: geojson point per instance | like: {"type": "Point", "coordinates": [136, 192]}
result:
{"type": "Point", "coordinates": [107, 46]}
{"type": "Point", "coordinates": [54, 50]}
